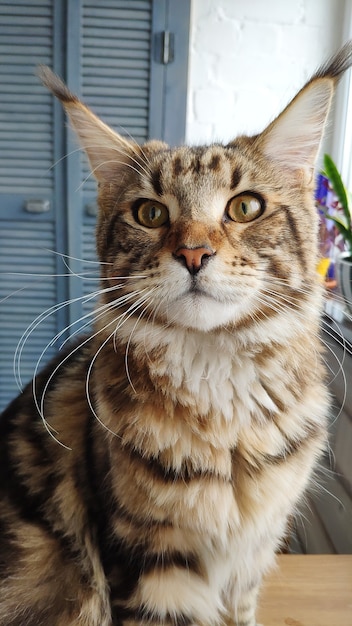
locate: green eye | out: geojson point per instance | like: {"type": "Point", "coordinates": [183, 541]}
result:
{"type": "Point", "coordinates": [245, 208]}
{"type": "Point", "coordinates": [152, 214]}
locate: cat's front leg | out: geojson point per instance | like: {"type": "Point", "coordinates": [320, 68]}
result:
{"type": "Point", "coordinates": [244, 614]}
{"type": "Point", "coordinates": [247, 608]}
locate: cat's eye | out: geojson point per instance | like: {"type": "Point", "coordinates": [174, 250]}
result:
{"type": "Point", "coordinates": [245, 208]}
{"type": "Point", "coordinates": [152, 214]}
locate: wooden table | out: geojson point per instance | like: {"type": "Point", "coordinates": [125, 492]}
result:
{"type": "Point", "coordinates": [308, 590]}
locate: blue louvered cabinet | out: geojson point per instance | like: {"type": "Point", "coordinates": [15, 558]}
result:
{"type": "Point", "coordinates": [109, 53]}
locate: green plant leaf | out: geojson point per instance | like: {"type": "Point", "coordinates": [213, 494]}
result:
{"type": "Point", "coordinates": [335, 179]}
{"type": "Point", "coordinates": [345, 232]}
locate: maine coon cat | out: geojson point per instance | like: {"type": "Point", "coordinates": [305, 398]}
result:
{"type": "Point", "coordinates": [147, 475]}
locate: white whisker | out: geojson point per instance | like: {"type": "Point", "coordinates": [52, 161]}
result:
{"type": "Point", "coordinates": [88, 379]}
{"type": "Point", "coordinates": [114, 161]}
{"type": "Point", "coordinates": [13, 293]}
{"type": "Point", "coordinates": [128, 346]}
{"type": "Point", "coordinates": [40, 406]}
{"type": "Point", "coordinates": [74, 258]}
{"type": "Point", "coordinates": [133, 146]}
{"type": "Point", "coordinates": [120, 323]}
{"type": "Point", "coordinates": [42, 317]}
{"type": "Point", "coordinates": [65, 156]}
{"type": "Point", "coordinates": [320, 487]}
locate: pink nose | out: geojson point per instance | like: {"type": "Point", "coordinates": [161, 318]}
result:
{"type": "Point", "coordinates": [194, 258]}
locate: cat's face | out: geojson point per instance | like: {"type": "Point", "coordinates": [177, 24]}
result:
{"type": "Point", "coordinates": [217, 234]}
{"type": "Point", "coordinates": [209, 237]}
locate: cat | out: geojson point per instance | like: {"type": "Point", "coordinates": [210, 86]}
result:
{"type": "Point", "coordinates": [149, 472]}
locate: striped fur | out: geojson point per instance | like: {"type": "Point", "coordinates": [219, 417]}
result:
{"type": "Point", "coordinates": [180, 436]}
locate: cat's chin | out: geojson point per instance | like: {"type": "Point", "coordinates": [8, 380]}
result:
{"type": "Point", "coordinates": [201, 312]}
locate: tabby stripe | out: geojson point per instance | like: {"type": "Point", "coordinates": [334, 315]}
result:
{"type": "Point", "coordinates": [291, 447]}
{"type": "Point", "coordinates": [296, 236]}
{"type": "Point", "coordinates": [236, 178]}
{"type": "Point", "coordinates": [122, 564]}
{"type": "Point", "coordinates": [156, 182]}
{"type": "Point", "coordinates": [168, 560]}
{"type": "Point", "coordinates": [32, 506]}
{"type": "Point", "coordinates": [276, 267]}
{"type": "Point", "coordinates": [136, 520]}
{"type": "Point", "coordinates": [98, 499]}
{"type": "Point", "coordinates": [110, 238]}
{"type": "Point", "coordinates": [32, 509]}
{"type": "Point", "coordinates": [280, 457]}
{"type": "Point", "coordinates": [255, 462]}
{"type": "Point", "coordinates": [169, 474]}
{"type": "Point", "coordinates": [125, 565]}
{"type": "Point", "coordinates": [143, 562]}
{"type": "Point", "coordinates": [196, 165]}
{"type": "Point", "coordinates": [177, 167]}
{"type": "Point", "coordinates": [214, 163]}
{"type": "Point", "coordinates": [122, 567]}
{"type": "Point", "coordinates": [119, 562]}
{"type": "Point", "coordinates": [10, 551]}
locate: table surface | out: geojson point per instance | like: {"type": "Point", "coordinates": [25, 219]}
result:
{"type": "Point", "coordinates": [308, 590]}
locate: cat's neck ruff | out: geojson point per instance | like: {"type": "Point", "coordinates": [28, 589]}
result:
{"type": "Point", "coordinates": [214, 370]}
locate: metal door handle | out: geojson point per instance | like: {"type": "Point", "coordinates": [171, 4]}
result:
{"type": "Point", "coordinates": [37, 205]}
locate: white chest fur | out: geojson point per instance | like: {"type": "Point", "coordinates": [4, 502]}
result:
{"type": "Point", "coordinates": [214, 377]}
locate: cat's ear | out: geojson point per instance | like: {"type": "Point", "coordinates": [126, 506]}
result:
{"type": "Point", "coordinates": [294, 137]}
{"type": "Point", "coordinates": [105, 148]}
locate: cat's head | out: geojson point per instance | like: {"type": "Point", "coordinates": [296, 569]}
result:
{"type": "Point", "coordinates": [222, 235]}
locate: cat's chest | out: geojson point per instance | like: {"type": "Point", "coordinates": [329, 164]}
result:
{"type": "Point", "coordinates": [209, 376]}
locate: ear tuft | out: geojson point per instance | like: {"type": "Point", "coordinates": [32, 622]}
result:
{"type": "Point", "coordinates": [337, 64]}
{"type": "Point", "coordinates": [52, 82]}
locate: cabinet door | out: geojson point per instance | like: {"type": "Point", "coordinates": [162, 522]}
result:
{"type": "Point", "coordinates": [28, 212]}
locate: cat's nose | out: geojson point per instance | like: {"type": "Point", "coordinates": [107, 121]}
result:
{"type": "Point", "coordinates": [194, 258]}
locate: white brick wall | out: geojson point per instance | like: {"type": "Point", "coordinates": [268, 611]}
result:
{"type": "Point", "coordinates": [249, 57]}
